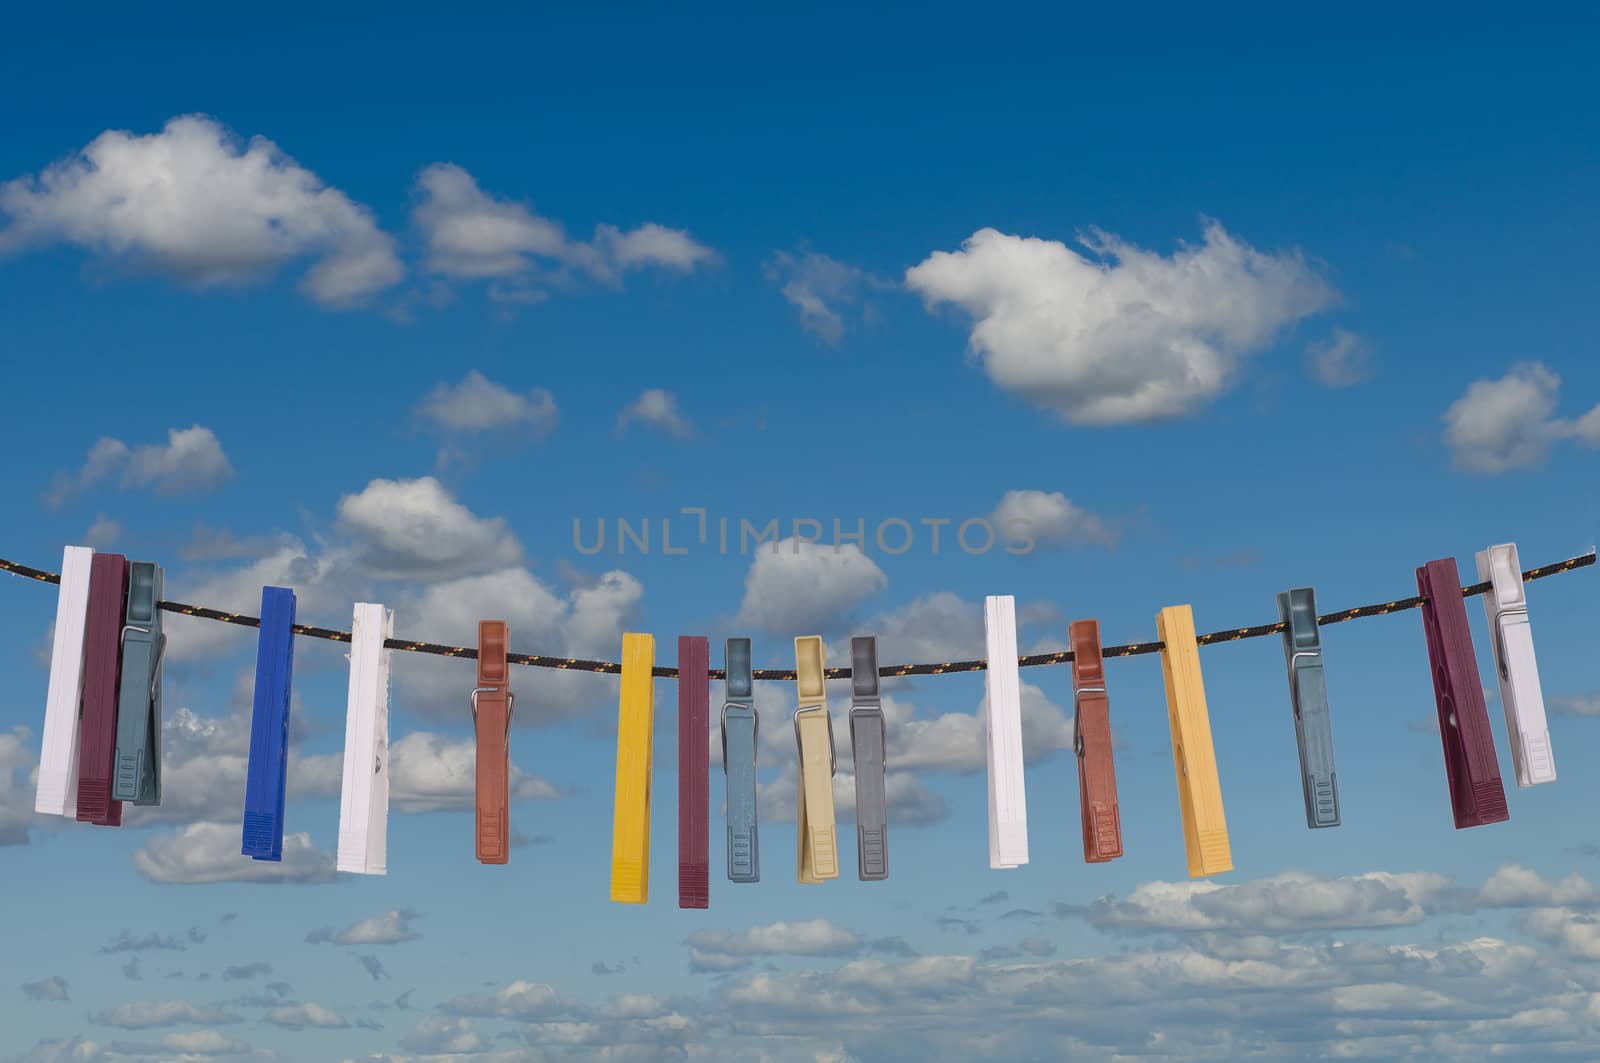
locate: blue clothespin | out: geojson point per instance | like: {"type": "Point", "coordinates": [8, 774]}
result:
{"type": "Point", "coordinates": [740, 729]}
{"type": "Point", "coordinates": [269, 727]}
{"type": "Point", "coordinates": [1308, 693]}
{"type": "Point", "coordinates": [137, 776]}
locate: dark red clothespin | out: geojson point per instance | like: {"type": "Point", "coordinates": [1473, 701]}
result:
{"type": "Point", "coordinates": [1476, 794]}
{"type": "Point", "coordinates": [1091, 727]}
{"type": "Point", "coordinates": [102, 676]}
{"type": "Point", "coordinates": [492, 706]}
{"type": "Point", "coordinates": [694, 771]}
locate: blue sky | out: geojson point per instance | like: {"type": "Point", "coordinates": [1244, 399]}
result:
{"type": "Point", "coordinates": [1222, 305]}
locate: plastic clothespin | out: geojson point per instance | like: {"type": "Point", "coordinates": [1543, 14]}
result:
{"type": "Point", "coordinates": [630, 831]}
{"type": "Point", "coordinates": [137, 777]}
{"type": "Point", "coordinates": [364, 797]}
{"type": "Point", "coordinates": [1008, 796]}
{"type": "Point", "coordinates": [1091, 740]}
{"type": "Point", "coordinates": [1477, 796]}
{"type": "Point", "coordinates": [57, 794]}
{"type": "Point", "coordinates": [1308, 695]}
{"type": "Point", "coordinates": [694, 771]}
{"type": "Point", "coordinates": [1205, 827]}
{"type": "Point", "coordinates": [102, 660]}
{"type": "Point", "coordinates": [741, 727]}
{"type": "Point", "coordinates": [1511, 642]}
{"type": "Point", "coordinates": [868, 746]}
{"type": "Point", "coordinates": [493, 704]}
{"type": "Point", "coordinates": [816, 836]}
{"type": "Point", "coordinates": [266, 782]}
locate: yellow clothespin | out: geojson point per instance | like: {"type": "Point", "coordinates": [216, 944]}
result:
{"type": "Point", "coordinates": [1205, 830]}
{"type": "Point", "coordinates": [818, 851]}
{"type": "Point", "coordinates": [630, 831]}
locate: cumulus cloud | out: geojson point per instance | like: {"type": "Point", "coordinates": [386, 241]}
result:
{"type": "Point", "coordinates": [478, 404]}
{"type": "Point", "coordinates": [471, 234]}
{"type": "Point", "coordinates": [191, 460]}
{"type": "Point", "coordinates": [819, 287]}
{"type": "Point", "coordinates": [306, 1016]}
{"type": "Point", "coordinates": [1120, 334]}
{"type": "Point", "coordinates": [194, 202]}
{"type": "Point", "coordinates": [658, 409]}
{"type": "Point", "coordinates": [725, 950]}
{"type": "Point", "coordinates": [1049, 519]}
{"type": "Point", "coordinates": [1510, 423]}
{"type": "Point", "coordinates": [18, 758]}
{"type": "Point", "coordinates": [440, 1035]}
{"type": "Point", "coordinates": [415, 530]}
{"type": "Point", "coordinates": [209, 852]}
{"type": "Point", "coordinates": [147, 1014]}
{"type": "Point", "coordinates": [794, 585]}
{"type": "Point", "coordinates": [1341, 360]}
{"type": "Point", "coordinates": [390, 928]}
{"type": "Point", "coordinates": [1562, 705]}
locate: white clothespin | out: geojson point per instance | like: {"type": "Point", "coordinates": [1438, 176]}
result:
{"type": "Point", "coordinates": [364, 802]}
{"type": "Point", "coordinates": [58, 757]}
{"type": "Point", "coordinates": [1511, 641]}
{"type": "Point", "coordinates": [1008, 800]}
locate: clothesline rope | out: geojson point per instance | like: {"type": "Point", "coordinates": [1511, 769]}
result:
{"type": "Point", "coordinates": [578, 664]}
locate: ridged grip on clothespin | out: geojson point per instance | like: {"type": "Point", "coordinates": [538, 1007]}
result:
{"type": "Point", "coordinates": [1308, 697]}
{"type": "Point", "coordinates": [868, 736]}
{"type": "Point", "coordinates": [741, 728]}
{"type": "Point", "coordinates": [137, 774]}
{"type": "Point", "coordinates": [1091, 725]}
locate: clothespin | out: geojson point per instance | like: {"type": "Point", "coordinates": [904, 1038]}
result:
{"type": "Point", "coordinates": [1091, 739]}
{"type": "Point", "coordinates": [1511, 642]}
{"type": "Point", "coordinates": [102, 659]}
{"type": "Point", "coordinates": [266, 781]}
{"type": "Point", "coordinates": [868, 743]}
{"type": "Point", "coordinates": [138, 758]}
{"type": "Point", "coordinates": [1205, 828]}
{"type": "Point", "coordinates": [1008, 797]}
{"type": "Point", "coordinates": [740, 729]}
{"type": "Point", "coordinates": [1476, 794]}
{"type": "Point", "coordinates": [694, 771]}
{"type": "Point", "coordinates": [58, 756]}
{"type": "Point", "coordinates": [630, 830]}
{"type": "Point", "coordinates": [816, 848]}
{"type": "Point", "coordinates": [1308, 694]}
{"type": "Point", "coordinates": [364, 797]}
{"type": "Point", "coordinates": [492, 706]}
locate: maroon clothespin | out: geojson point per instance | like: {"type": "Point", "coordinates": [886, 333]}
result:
{"type": "Point", "coordinates": [694, 771]}
{"type": "Point", "coordinates": [1091, 726]}
{"type": "Point", "coordinates": [1476, 794]}
{"type": "Point", "coordinates": [102, 676]}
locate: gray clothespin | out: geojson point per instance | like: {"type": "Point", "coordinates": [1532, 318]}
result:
{"type": "Point", "coordinates": [137, 774]}
{"type": "Point", "coordinates": [1308, 691]}
{"type": "Point", "coordinates": [867, 742]}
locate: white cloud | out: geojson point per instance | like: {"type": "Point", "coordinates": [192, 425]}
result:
{"type": "Point", "coordinates": [209, 852]}
{"type": "Point", "coordinates": [797, 586]}
{"type": "Point", "coordinates": [194, 202]}
{"type": "Point", "coordinates": [18, 759]}
{"type": "Point", "coordinates": [1515, 886]}
{"type": "Point", "coordinates": [439, 1035]}
{"type": "Point", "coordinates": [429, 772]}
{"type": "Point", "coordinates": [1575, 704]}
{"type": "Point", "coordinates": [191, 460]}
{"type": "Point", "coordinates": [146, 1014]}
{"type": "Point", "coordinates": [306, 1016]}
{"type": "Point", "coordinates": [1341, 360]}
{"type": "Point", "coordinates": [725, 950]}
{"type": "Point", "coordinates": [390, 928]}
{"type": "Point", "coordinates": [472, 234]}
{"type": "Point", "coordinates": [103, 533]}
{"type": "Point", "coordinates": [819, 287]}
{"type": "Point", "coordinates": [1049, 519]}
{"type": "Point", "coordinates": [478, 404]}
{"type": "Point", "coordinates": [954, 742]}
{"type": "Point", "coordinates": [1124, 334]}
{"type": "Point", "coordinates": [656, 408]}
{"type": "Point", "coordinates": [1510, 423]}
{"type": "Point", "coordinates": [415, 530]}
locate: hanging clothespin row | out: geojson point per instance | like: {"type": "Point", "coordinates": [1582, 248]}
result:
{"type": "Point", "coordinates": [137, 777]}
{"type": "Point", "coordinates": [1205, 828]}
{"type": "Point", "coordinates": [102, 659]}
{"type": "Point", "coordinates": [1008, 797]}
{"type": "Point", "coordinates": [694, 771]}
{"type": "Point", "coordinates": [741, 727]}
{"type": "Point", "coordinates": [267, 776]}
{"type": "Point", "coordinates": [1091, 739]}
{"type": "Point", "coordinates": [1476, 794]}
{"type": "Point", "coordinates": [868, 742]}
{"type": "Point", "coordinates": [57, 793]}
{"type": "Point", "coordinates": [492, 706]}
{"type": "Point", "coordinates": [1308, 696]}
{"type": "Point", "coordinates": [364, 797]}
{"type": "Point", "coordinates": [630, 829]}
{"type": "Point", "coordinates": [817, 848]}
{"type": "Point", "coordinates": [1511, 642]}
